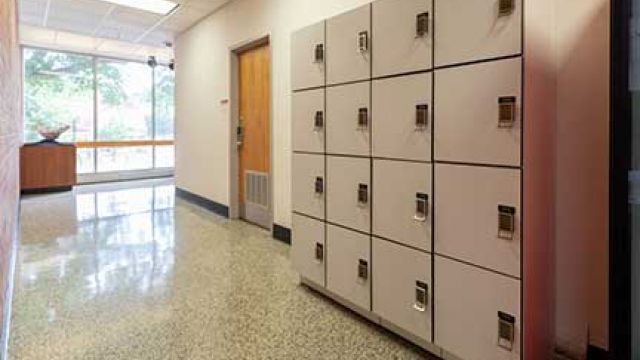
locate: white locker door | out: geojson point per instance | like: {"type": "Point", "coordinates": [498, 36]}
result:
{"type": "Point", "coordinates": [402, 36]}
{"type": "Point", "coordinates": [308, 117]}
{"type": "Point", "coordinates": [402, 202]}
{"type": "Point", "coordinates": [402, 287]}
{"type": "Point", "coordinates": [474, 208]}
{"type": "Point", "coordinates": [473, 104]}
{"type": "Point", "coordinates": [348, 265]}
{"type": "Point", "coordinates": [349, 46]}
{"type": "Point", "coordinates": [309, 184]}
{"type": "Point", "coordinates": [477, 30]}
{"type": "Point", "coordinates": [308, 54]}
{"type": "Point", "coordinates": [472, 306]}
{"type": "Point", "coordinates": [349, 119]}
{"type": "Point", "coordinates": [349, 192]}
{"type": "Point", "coordinates": [308, 248]}
{"type": "Point", "coordinates": [401, 121]}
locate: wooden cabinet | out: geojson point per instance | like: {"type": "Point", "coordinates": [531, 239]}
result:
{"type": "Point", "coordinates": [47, 166]}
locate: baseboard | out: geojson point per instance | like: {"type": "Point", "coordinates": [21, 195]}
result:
{"type": "Point", "coordinates": [220, 209]}
{"type": "Point", "coordinates": [282, 233]}
{"type": "Point", "coordinates": [596, 353]}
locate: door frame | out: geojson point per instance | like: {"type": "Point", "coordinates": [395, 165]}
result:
{"type": "Point", "coordinates": [234, 114]}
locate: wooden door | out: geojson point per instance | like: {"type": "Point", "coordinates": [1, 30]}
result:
{"type": "Point", "coordinates": [254, 141]}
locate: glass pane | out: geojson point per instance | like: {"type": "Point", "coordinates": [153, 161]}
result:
{"type": "Point", "coordinates": [165, 156]}
{"type": "Point", "coordinates": [164, 106]}
{"type": "Point", "coordinates": [85, 161]}
{"type": "Point", "coordinates": [124, 105]}
{"type": "Point", "coordinates": [125, 158]}
{"type": "Point", "coordinates": [58, 90]}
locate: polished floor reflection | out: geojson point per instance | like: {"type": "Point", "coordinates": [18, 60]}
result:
{"type": "Point", "coordinates": [122, 271]}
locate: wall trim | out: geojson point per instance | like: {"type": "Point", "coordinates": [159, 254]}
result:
{"type": "Point", "coordinates": [215, 207]}
{"type": "Point", "coordinates": [282, 233]}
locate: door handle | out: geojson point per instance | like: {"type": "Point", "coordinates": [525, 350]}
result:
{"type": "Point", "coordinates": [319, 54]}
{"type": "Point", "coordinates": [363, 42]}
{"type": "Point", "coordinates": [422, 296]}
{"type": "Point", "coordinates": [319, 252]}
{"type": "Point", "coordinates": [319, 185]}
{"type": "Point", "coordinates": [506, 330]}
{"type": "Point", "coordinates": [363, 194]}
{"type": "Point", "coordinates": [506, 111]}
{"type": "Point", "coordinates": [422, 24]}
{"type": "Point", "coordinates": [422, 116]}
{"type": "Point", "coordinates": [422, 207]}
{"type": "Point", "coordinates": [363, 118]}
{"type": "Point", "coordinates": [363, 269]}
{"type": "Point", "coordinates": [506, 222]}
{"type": "Point", "coordinates": [239, 136]}
{"type": "Point", "coordinates": [318, 121]}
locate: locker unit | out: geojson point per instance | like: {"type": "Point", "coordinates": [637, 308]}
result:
{"type": "Point", "coordinates": [422, 171]}
{"type": "Point", "coordinates": [308, 60]}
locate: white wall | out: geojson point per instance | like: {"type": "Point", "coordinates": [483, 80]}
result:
{"type": "Point", "coordinates": [203, 80]}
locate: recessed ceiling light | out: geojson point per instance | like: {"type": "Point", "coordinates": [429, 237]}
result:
{"type": "Point", "coordinates": [162, 7]}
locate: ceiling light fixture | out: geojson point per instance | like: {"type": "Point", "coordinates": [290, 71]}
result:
{"type": "Point", "coordinates": [162, 7]}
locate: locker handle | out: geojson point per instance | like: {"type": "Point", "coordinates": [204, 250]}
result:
{"type": "Point", "coordinates": [506, 111]}
{"type": "Point", "coordinates": [363, 194]}
{"type": "Point", "coordinates": [319, 54]}
{"type": "Point", "coordinates": [318, 121]}
{"type": "Point", "coordinates": [363, 269]}
{"type": "Point", "coordinates": [506, 222]}
{"type": "Point", "coordinates": [422, 116]}
{"type": "Point", "coordinates": [363, 118]}
{"type": "Point", "coordinates": [506, 330]}
{"type": "Point", "coordinates": [422, 296]}
{"type": "Point", "coordinates": [319, 185]}
{"type": "Point", "coordinates": [506, 7]}
{"type": "Point", "coordinates": [319, 252]}
{"type": "Point", "coordinates": [422, 207]}
{"type": "Point", "coordinates": [422, 24]}
{"type": "Point", "coordinates": [363, 42]}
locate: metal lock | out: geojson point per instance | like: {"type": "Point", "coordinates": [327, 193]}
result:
{"type": "Point", "coordinates": [319, 185]}
{"type": "Point", "coordinates": [422, 296]}
{"type": "Point", "coordinates": [319, 252]}
{"type": "Point", "coordinates": [506, 222]}
{"type": "Point", "coordinates": [506, 111]}
{"type": "Point", "coordinates": [363, 269]}
{"type": "Point", "coordinates": [319, 54]}
{"type": "Point", "coordinates": [319, 120]}
{"type": "Point", "coordinates": [363, 194]}
{"type": "Point", "coordinates": [422, 116]}
{"type": "Point", "coordinates": [363, 42]}
{"type": "Point", "coordinates": [422, 207]}
{"type": "Point", "coordinates": [422, 24]}
{"type": "Point", "coordinates": [506, 330]}
{"type": "Point", "coordinates": [506, 7]}
{"type": "Point", "coordinates": [363, 118]}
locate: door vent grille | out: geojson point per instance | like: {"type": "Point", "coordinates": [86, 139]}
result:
{"type": "Point", "coordinates": [256, 188]}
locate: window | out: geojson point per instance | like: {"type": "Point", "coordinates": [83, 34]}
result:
{"type": "Point", "coordinates": [128, 127]}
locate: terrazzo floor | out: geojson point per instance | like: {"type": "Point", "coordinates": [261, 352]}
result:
{"type": "Point", "coordinates": [124, 271]}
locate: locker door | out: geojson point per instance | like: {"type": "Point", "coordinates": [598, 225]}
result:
{"type": "Point", "coordinates": [349, 46]}
{"type": "Point", "coordinates": [475, 207]}
{"type": "Point", "coordinates": [401, 122]}
{"type": "Point", "coordinates": [478, 112]}
{"type": "Point", "coordinates": [348, 266]}
{"type": "Point", "coordinates": [402, 202]}
{"type": "Point", "coordinates": [348, 119]}
{"type": "Point", "coordinates": [476, 30]}
{"type": "Point", "coordinates": [308, 117]}
{"type": "Point", "coordinates": [309, 184]}
{"type": "Point", "coordinates": [472, 307]}
{"type": "Point", "coordinates": [349, 192]}
{"type": "Point", "coordinates": [402, 36]}
{"type": "Point", "coordinates": [308, 248]}
{"type": "Point", "coordinates": [402, 287]}
{"type": "Point", "coordinates": [308, 54]}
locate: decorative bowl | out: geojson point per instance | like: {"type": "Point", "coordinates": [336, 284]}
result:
{"type": "Point", "coordinates": [52, 133]}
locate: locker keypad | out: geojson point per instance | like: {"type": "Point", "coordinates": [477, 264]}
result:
{"type": "Point", "coordinates": [506, 7]}
{"type": "Point", "coordinates": [422, 116]}
{"type": "Point", "coordinates": [422, 207]}
{"type": "Point", "coordinates": [363, 118]}
{"type": "Point", "coordinates": [319, 185]}
{"type": "Point", "coordinates": [506, 222]}
{"type": "Point", "coordinates": [506, 330]}
{"type": "Point", "coordinates": [507, 111]}
{"type": "Point", "coordinates": [319, 252]}
{"type": "Point", "coordinates": [363, 42]}
{"type": "Point", "coordinates": [422, 24]}
{"type": "Point", "coordinates": [363, 269]}
{"type": "Point", "coordinates": [319, 54]}
{"type": "Point", "coordinates": [319, 120]}
{"type": "Point", "coordinates": [422, 296]}
{"type": "Point", "coordinates": [363, 194]}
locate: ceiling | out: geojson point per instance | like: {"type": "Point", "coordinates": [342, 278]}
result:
{"type": "Point", "coordinates": [102, 27]}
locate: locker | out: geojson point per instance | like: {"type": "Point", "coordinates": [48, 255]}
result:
{"type": "Point", "coordinates": [402, 287]}
{"type": "Point", "coordinates": [476, 30]}
{"type": "Point", "coordinates": [349, 192]}
{"type": "Point", "coordinates": [478, 216]}
{"type": "Point", "coordinates": [308, 118]}
{"type": "Point", "coordinates": [478, 113]}
{"type": "Point", "coordinates": [309, 184]}
{"type": "Point", "coordinates": [477, 312]}
{"type": "Point", "coordinates": [402, 202]}
{"type": "Point", "coordinates": [349, 119]}
{"type": "Point", "coordinates": [401, 122]}
{"type": "Point", "coordinates": [348, 265]}
{"type": "Point", "coordinates": [402, 36]}
{"type": "Point", "coordinates": [349, 46]}
{"type": "Point", "coordinates": [308, 56]}
{"type": "Point", "coordinates": [308, 251]}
